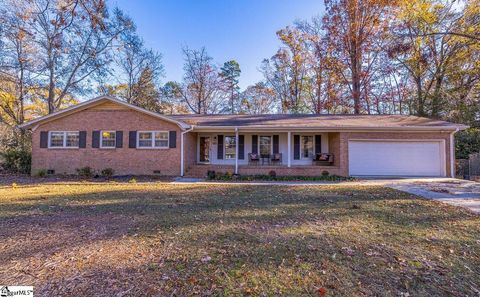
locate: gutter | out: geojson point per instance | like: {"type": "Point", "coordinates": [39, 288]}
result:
{"type": "Point", "coordinates": [335, 129]}
{"type": "Point", "coordinates": [182, 153]}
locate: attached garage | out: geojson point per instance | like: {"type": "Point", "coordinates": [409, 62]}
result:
{"type": "Point", "coordinates": [397, 158]}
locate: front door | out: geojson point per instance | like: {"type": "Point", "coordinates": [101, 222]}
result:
{"type": "Point", "coordinates": [204, 149]}
{"type": "Point", "coordinates": [265, 146]}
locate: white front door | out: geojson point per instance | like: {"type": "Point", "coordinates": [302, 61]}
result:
{"type": "Point", "coordinates": [396, 158]}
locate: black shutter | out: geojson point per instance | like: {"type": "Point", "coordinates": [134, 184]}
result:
{"type": "Point", "coordinates": [172, 139]}
{"type": "Point", "coordinates": [132, 139]}
{"type": "Point", "coordinates": [318, 144]}
{"type": "Point", "coordinates": [82, 139]}
{"type": "Point", "coordinates": [118, 139]}
{"type": "Point", "coordinates": [43, 139]}
{"type": "Point", "coordinates": [296, 147]}
{"type": "Point", "coordinates": [220, 147]}
{"type": "Point", "coordinates": [241, 147]}
{"type": "Point", "coordinates": [275, 144]}
{"type": "Point", "coordinates": [96, 139]}
{"type": "Point", "coordinates": [254, 144]}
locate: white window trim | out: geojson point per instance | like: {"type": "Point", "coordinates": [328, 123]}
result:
{"type": "Point", "coordinates": [153, 147]}
{"type": "Point", "coordinates": [225, 147]}
{"type": "Point", "coordinates": [301, 147]}
{"type": "Point", "coordinates": [64, 140]}
{"type": "Point", "coordinates": [101, 140]}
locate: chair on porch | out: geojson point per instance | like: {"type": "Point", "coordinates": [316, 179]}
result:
{"type": "Point", "coordinates": [276, 159]}
{"type": "Point", "coordinates": [322, 159]}
{"type": "Point", "coordinates": [253, 159]}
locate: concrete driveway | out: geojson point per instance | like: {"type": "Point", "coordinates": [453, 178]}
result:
{"type": "Point", "coordinates": [449, 190]}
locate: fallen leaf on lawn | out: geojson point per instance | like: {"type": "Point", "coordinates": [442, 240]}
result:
{"type": "Point", "coordinates": [206, 259]}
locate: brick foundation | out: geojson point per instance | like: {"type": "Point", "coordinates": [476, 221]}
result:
{"type": "Point", "coordinates": [201, 170]}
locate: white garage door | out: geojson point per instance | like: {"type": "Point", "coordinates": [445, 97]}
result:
{"type": "Point", "coordinates": [396, 158]}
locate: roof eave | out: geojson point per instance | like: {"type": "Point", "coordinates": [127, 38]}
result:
{"type": "Point", "coordinates": [333, 129]}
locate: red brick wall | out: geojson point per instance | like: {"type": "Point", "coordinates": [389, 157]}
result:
{"type": "Point", "coordinates": [190, 147]}
{"type": "Point", "coordinates": [346, 136]}
{"type": "Point", "coordinates": [144, 161]}
{"type": "Point", "coordinates": [338, 145]}
{"type": "Point", "coordinates": [201, 170]}
{"type": "Point", "coordinates": [334, 147]}
{"type": "Point", "coordinates": [123, 160]}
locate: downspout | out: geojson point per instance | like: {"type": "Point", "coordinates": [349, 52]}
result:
{"type": "Point", "coordinates": [236, 150]}
{"type": "Point", "coordinates": [452, 154]}
{"type": "Point", "coordinates": [182, 153]}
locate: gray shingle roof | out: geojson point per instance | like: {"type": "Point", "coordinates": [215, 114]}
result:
{"type": "Point", "coordinates": [313, 121]}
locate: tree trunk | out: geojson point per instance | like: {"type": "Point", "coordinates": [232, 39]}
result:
{"type": "Point", "coordinates": [51, 82]}
{"type": "Point", "coordinates": [436, 97]}
{"type": "Point", "coordinates": [356, 87]}
{"type": "Point", "coordinates": [420, 102]}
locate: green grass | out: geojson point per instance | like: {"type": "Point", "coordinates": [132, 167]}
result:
{"type": "Point", "coordinates": [148, 239]}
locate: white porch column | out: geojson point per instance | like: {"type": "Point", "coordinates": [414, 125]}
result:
{"type": "Point", "coordinates": [236, 150]}
{"type": "Point", "coordinates": [452, 154]}
{"type": "Point", "coordinates": [289, 149]}
{"type": "Point", "coordinates": [182, 173]}
{"type": "Point", "coordinates": [182, 153]}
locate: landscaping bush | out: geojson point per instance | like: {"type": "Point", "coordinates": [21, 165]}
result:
{"type": "Point", "coordinates": [41, 173]}
{"type": "Point", "coordinates": [272, 173]}
{"type": "Point", "coordinates": [17, 160]}
{"type": "Point", "coordinates": [86, 172]}
{"type": "Point", "coordinates": [325, 173]}
{"type": "Point", "coordinates": [222, 176]}
{"type": "Point", "coordinates": [467, 142]}
{"type": "Point", "coordinates": [211, 174]}
{"type": "Point", "coordinates": [107, 172]}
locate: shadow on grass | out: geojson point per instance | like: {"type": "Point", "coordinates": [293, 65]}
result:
{"type": "Point", "coordinates": [366, 240]}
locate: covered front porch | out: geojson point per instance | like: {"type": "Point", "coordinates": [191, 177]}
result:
{"type": "Point", "coordinates": [302, 153]}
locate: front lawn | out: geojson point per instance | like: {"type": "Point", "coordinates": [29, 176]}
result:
{"type": "Point", "coordinates": [120, 239]}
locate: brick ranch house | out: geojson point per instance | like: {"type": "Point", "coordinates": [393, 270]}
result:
{"type": "Point", "coordinates": [107, 133]}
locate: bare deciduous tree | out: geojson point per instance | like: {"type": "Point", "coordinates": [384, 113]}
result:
{"type": "Point", "coordinates": [74, 39]}
{"type": "Point", "coordinates": [258, 99]}
{"type": "Point", "coordinates": [202, 85]}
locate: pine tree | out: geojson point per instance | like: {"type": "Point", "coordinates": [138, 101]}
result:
{"type": "Point", "coordinates": [145, 93]}
{"type": "Point", "coordinates": [230, 73]}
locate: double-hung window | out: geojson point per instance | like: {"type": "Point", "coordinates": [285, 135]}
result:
{"type": "Point", "coordinates": [63, 139]}
{"type": "Point", "coordinates": [152, 139]}
{"type": "Point", "coordinates": [108, 139]}
{"type": "Point", "coordinates": [230, 147]}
